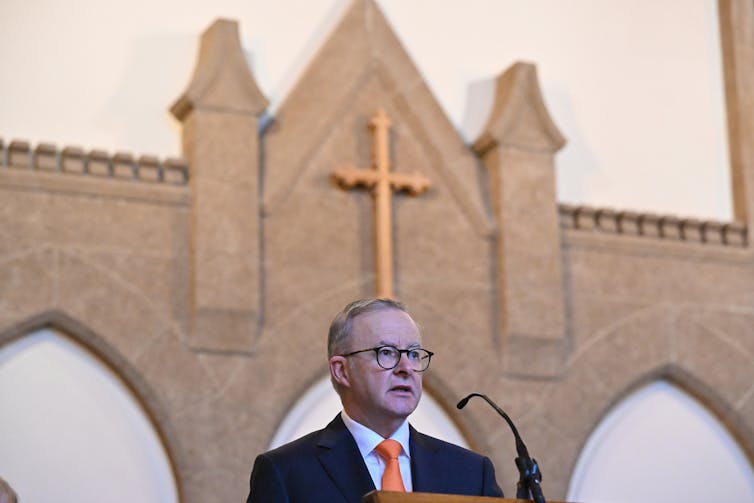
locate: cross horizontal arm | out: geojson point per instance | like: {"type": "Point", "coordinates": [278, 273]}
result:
{"type": "Point", "coordinates": [414, 184]}
{"type": "Point", "coordinates": [349, 176]}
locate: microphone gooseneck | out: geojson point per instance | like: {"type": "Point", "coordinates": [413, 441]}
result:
{"type": "Point", "coordinates": [530, 476]}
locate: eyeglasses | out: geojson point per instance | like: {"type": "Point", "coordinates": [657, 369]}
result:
{"type": "Point", "coordinates": [388, 357]}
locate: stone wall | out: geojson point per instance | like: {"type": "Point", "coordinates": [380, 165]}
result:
{"type": "Point", "coordinates": [208, 284]}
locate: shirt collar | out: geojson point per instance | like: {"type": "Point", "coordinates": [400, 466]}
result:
{"type": "Point", "coordinates": [367, 439]}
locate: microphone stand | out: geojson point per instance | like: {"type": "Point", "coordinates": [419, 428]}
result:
{"type": "Point", "coordinates": [528, 469]}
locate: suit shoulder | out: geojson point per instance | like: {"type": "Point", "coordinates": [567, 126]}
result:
{"type": "Point", "coordinates": [294, 448]}
{"type": "Point", "coordinates": [446, 448]}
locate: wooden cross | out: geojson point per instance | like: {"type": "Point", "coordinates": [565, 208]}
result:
{"type": "Point", "coordinates": [383, 183]}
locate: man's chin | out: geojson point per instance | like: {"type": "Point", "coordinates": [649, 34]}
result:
{"type": "Point", "coordinates": [403, 408]}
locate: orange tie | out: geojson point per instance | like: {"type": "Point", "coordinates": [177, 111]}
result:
{"type": "Point", "coordinates": [391, 478]}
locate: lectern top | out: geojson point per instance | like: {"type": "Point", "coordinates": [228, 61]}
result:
{"type": "Point", "coordinates": [394, 497]}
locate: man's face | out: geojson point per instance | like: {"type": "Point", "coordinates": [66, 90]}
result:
{"type": "Point", "coordinates": [377, 398]}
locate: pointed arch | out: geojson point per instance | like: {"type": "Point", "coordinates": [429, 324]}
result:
{"type": "Point", "coordinates": [696, 387]}
{"type": "Point", "coordinates": [653, 343]}
{"type": "Point", "coordinates": [645, 434]}
{"type": "Point", "coordinates": [594, 412]}
{"type": "Point", "coordinates": [110, 358]}
{"type": "Point", "coordinates": [318, 404]}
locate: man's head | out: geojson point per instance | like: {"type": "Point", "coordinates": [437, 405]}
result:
{"type": "Point", "coordinates": [377, 397]}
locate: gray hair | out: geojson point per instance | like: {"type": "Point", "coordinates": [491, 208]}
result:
{"type": "Point", "coordinates": [340, 328]}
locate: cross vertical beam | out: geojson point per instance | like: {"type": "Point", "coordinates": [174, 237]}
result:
{"type": "Point", "coordinates": [383, 183]}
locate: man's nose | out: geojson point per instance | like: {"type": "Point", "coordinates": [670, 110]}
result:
{"type": "Point", "coordinates": [404, 364]}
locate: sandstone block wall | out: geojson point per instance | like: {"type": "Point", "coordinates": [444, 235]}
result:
{"type": "Point", "coordinates": [119, 252]}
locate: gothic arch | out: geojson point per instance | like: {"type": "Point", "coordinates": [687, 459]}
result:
{"type": "Point", "coordinates": [697, 387]}
{"type": "Point", "coordinates": [639, 449]}
{"type": "Point", "coordinates": [112, 359]}
{"type": "Point", "coordinates": [433, 384]}
{"type": "Point", "coordinates": [644, 346]}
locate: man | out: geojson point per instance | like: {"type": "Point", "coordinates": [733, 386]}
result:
{"type": "Point", "coordinates": [376, 365]}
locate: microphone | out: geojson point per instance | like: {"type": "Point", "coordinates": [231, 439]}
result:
{"type": "Point", "coordinates": [529, 474]}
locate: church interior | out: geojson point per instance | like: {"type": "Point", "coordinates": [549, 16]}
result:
{"type": "Point", "coordinates": [189, 195]}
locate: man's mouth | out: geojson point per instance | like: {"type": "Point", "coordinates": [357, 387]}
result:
{"type": "Point", "coordinates": [401, 389]}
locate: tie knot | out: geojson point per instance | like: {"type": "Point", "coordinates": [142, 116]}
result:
{"type": "Point", "coordinates": [388, 449]}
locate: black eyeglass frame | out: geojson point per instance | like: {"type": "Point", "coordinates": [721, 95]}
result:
{"type": "Point", "coordinates": [401, 352]}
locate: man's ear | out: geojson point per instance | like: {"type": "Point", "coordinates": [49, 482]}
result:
{"type": "Point", "coordinates": [339, 370]}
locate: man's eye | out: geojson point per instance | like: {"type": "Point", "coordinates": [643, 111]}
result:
{"type": "Point", "coordinates": [414, 355]}
{"type": "Point", "coordinates": [387, 351]}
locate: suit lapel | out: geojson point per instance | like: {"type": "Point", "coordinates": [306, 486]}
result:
{"type": "Point", "coordinates": [423, 469]}
{"type": "Point", "coordinates": [341, 459]}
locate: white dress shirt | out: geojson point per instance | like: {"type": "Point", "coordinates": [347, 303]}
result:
{"type": "Point", "coordinates": [367, 440]}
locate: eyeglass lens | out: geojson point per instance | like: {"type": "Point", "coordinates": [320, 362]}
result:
{"type": "Point", "coordinates": [388, 357]}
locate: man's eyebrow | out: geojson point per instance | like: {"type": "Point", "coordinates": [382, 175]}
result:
{"type": "Point", "coordinates": [391, 344]}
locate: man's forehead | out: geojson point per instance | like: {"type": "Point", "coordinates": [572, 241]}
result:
{"type": "Point", "coordinates": [385, 326]}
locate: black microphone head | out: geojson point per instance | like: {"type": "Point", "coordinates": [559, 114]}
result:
{"type": "Point", "coordinates": [463, 402]}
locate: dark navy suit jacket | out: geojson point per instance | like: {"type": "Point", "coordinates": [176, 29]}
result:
{"type": "Point", "coordinates": [326, 466]}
